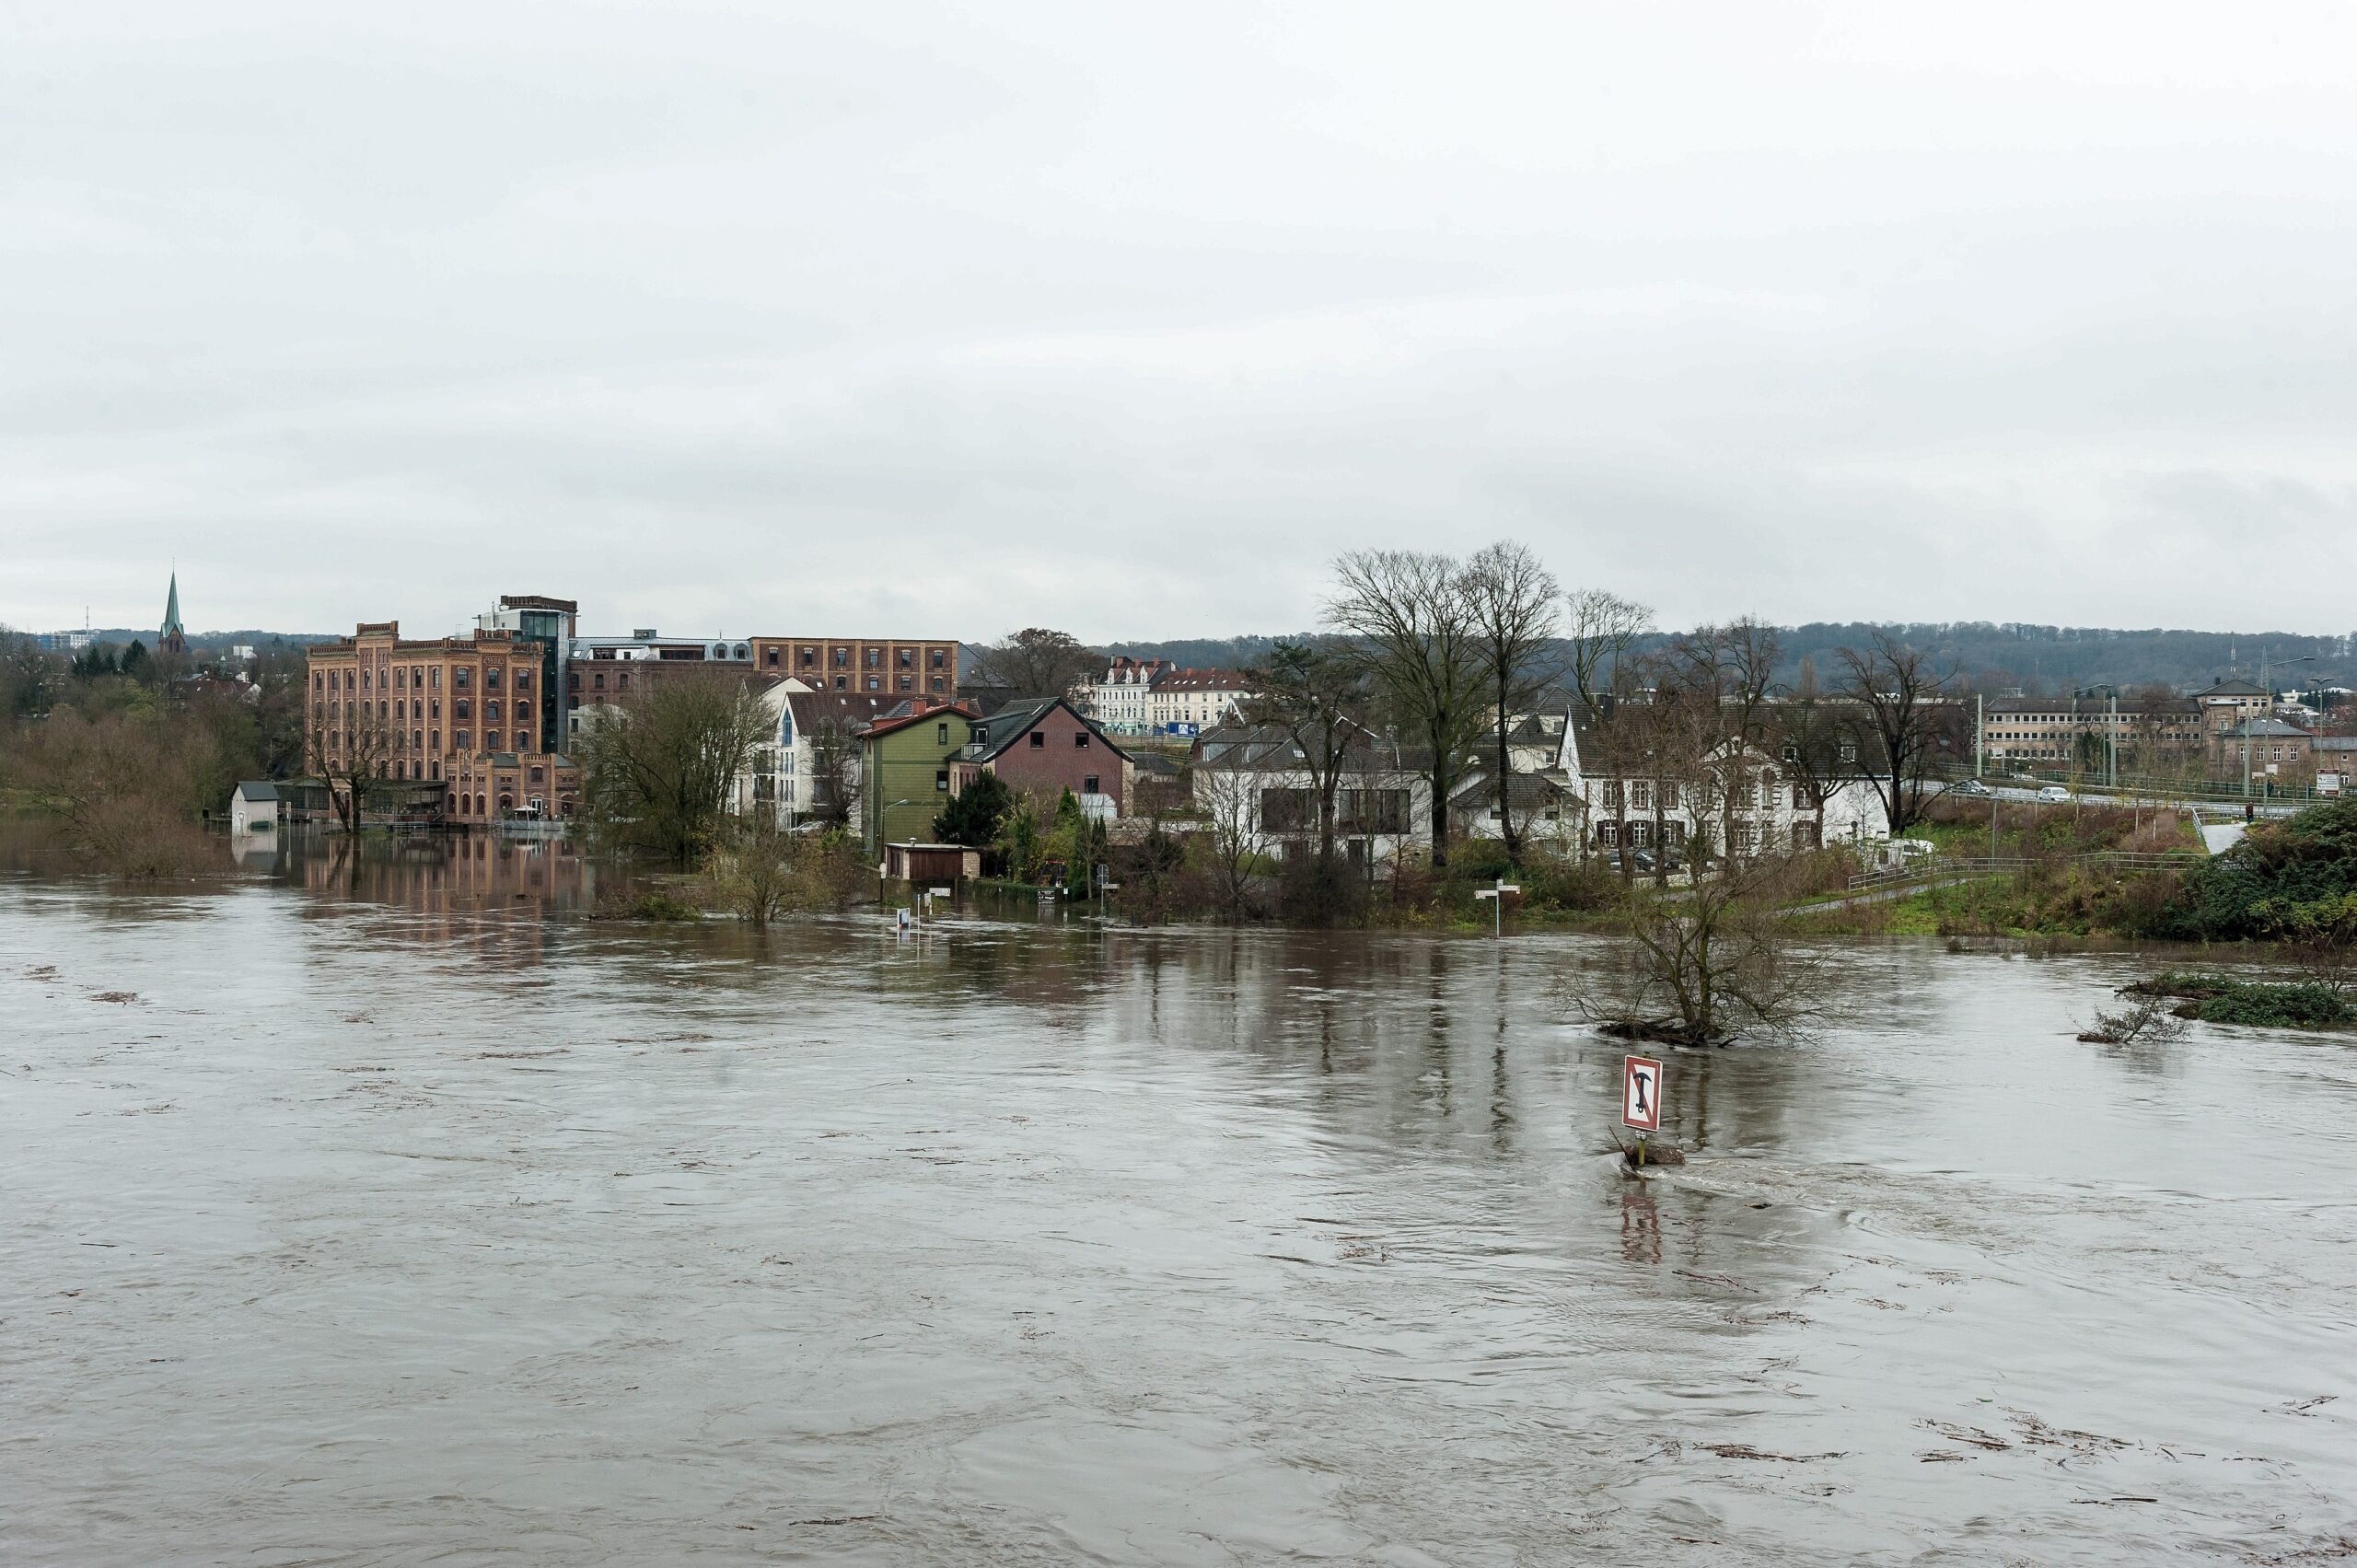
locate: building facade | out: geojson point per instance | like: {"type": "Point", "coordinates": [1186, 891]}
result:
{"type": "Point", "coordinates": [905, 770]}
{"type": "Point", "coordinates": [415, 709]}
{"type": "Point", "coordinates": [1044, 749]}
{"type": "Point", "coordinates": [898, 666]}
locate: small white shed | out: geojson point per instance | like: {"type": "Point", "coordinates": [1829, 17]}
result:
{"type": "Point", "coordinates": [253, 806]}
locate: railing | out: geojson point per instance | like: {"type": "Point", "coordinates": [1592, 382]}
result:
{"type": "Point", "coordinates": [1943, 867]}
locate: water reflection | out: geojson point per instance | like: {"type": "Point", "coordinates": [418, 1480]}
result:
{"type": "Point", "coordinates": [440, 1221]}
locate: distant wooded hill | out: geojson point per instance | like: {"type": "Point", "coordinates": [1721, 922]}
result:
{"type": "Point", "coordinates": [1991, 657]}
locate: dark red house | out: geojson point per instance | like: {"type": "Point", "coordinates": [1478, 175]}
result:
{"type": "Point", "coordinates": [1043, 749]}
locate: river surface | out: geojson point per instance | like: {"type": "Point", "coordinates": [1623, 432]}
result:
{"type": "Point", "coordinates": [393, 1213]}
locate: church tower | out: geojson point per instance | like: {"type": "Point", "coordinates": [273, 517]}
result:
{"type": "Point", "coordinates": [175, 636]}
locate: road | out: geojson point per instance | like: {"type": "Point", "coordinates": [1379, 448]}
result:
{"type": "Point", "coordinates": [2027, 795]}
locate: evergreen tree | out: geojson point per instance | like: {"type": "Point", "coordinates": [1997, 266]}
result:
{"type": "Point", "coordinates": [974, 815]}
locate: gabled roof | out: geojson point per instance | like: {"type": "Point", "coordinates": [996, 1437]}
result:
{"type": "Point", "coordinates": [2264, 728]}
{"type": "Point", "coordinates": [893, 723]}
{"type": "Point", "coordinates": [2232, 687]}
{"type": "Point", "coordinates": [1010, 724]}
{"type": "Point", "coordinates": [257, 790]}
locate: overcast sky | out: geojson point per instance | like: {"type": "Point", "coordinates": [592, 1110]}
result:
{"type": "Point", "coordinates": [947, 319]}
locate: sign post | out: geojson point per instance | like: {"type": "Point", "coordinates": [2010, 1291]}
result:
{"type": "Point", "coordinates": [1640, 1097]}
{"type": "Point", "coordinates": [1499, 894]}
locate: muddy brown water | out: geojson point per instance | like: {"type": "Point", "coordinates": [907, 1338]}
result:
{"type": "Point", "coordinates": [393, 1217]}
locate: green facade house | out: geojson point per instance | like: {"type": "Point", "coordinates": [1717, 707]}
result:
{"type": "Point", "coordinates": [904, 781]}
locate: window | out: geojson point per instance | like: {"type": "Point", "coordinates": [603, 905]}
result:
{"type": "Point", "coordinates": [843, 682]}
{"type": "Point", "coordinates": [462, 708]}
{"type": "Point", "coordinates": [907, 682]}
{"type": "Point", "coordinates": [523, 709]}
{"type": "Point", "coordinates": [771, 657]}
{"type": "Point", "coordinates": [876, 658]}
{"type": "Point", "coordinates": [434, 678]}
{"type": "Point", "coordinates": [941, 734]}
{"type": "Point", "coordinates": [810, 658]}
{"type": "Point", "coordinates": [535, 775]}
{"type": "Point", "coordinates": [398, 680]}
{"type": "Point", "coordinates": [460, 677]}
{"type": "Point", "coordinates": [843, 658]}
{"type": "Point", "coordinates": [435, 737]}
{"type": "Point", "coordinates": [875, 683]}
{"type": "Point", "coordinates": [1848, 753]}
{"type": "Point", "coordinates": [523, 680]}
{"type": "Point", "coordinates": [491, 679]}
{"type": "Point", "coordinates": [1080, 740]}
{"type": "Point", "coordinates": [400, 708]}
{"type": "Point", "coordinates": [1038, 740]}
{"type": "Point", "coordinates": [1641, 797]}
{"type": "Point", "coordinates": [907, 658]}
{"type": "Point", "coordinates": [1607, 833]}
{"type": "Point", "coordinates": [463, 740]}
{"type": "Point", "coordinates": [1088, 786]}
{"type": "Point", "coordinates": [523, 740]}
{"type": "Point", "coordinates": [437, 709]}
{"type": "Point", "coordinates": [417, 740]}
{"type": "Point", "coordinates": [622, 680]}
{"type": "Point", "coordinates": [491, 710]}
{"type": "Point", "coordinates": [941, 779]}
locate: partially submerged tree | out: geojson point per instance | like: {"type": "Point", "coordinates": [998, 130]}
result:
{"type": "Point", "coordinates": [1231, 846]}
{"type": "Point", "coordinates": [658, 772]}
{"type": "Point", "coordinates": [1707, 963]}
{"type": "Point", "coordinates": [1512, 600]}
{"type": "Point", "coordinates": [126, 787]}
{"type": "Point", "coordinates": [350, 748]}
{"type": "Point", "coordinates": [1407, 619]}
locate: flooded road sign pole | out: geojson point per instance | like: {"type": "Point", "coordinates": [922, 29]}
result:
{"type": "Point", "coordinates": [1640, 1097]}
{"type": "Point", "coordinates": [1499, 894]}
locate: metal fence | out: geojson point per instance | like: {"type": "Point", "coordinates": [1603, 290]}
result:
{"type": "Point", "coordinates": [1961, 867]}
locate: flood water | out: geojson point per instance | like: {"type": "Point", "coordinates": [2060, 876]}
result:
{"type": "Point", "coordinates": [393, 1213]}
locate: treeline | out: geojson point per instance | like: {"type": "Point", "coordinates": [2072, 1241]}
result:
{"type": "Point", "coordinates": [129, 749]}
{"type": "Point", "coordinates": [1990, 658]}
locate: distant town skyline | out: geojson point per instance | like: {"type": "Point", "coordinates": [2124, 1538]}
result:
{"type": "Point", "coordinates": [1127, 323]}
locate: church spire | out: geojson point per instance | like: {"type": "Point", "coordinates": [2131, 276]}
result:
{"type": "Point", "coordinates": [175, 638]}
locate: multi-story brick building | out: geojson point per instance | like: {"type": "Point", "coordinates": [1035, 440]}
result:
{"type": "Point", "coordinates": [411, 709]}
{"type": "Point", "coordinates": [902, 667]}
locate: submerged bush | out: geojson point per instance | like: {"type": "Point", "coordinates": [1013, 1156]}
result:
{"type": "Point", "coordinates": [2304, 1005]}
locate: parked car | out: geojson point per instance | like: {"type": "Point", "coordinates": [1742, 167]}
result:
{"type": "Point", "coordinates": [2055, 794]}
{"type": "Point", "coordinates": [1969, 787]}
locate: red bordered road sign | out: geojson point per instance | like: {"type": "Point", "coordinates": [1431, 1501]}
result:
{"type": "Point", "coordinates": [1641, 1094]}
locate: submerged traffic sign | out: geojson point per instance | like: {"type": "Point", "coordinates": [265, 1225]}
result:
{"type": "Point", "coordinates": [1641, 1093]}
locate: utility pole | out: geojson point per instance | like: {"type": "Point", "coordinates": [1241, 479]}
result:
{"type": "Point", "coordinates": [1979, 732]}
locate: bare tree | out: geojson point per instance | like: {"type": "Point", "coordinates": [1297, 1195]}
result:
{"type": "Point", "coordinates": [1409, 623]}
{"type": "Point", "coordinates": [834, 770]}
{"type": "Point", "coordinates": [1709, 962]}
{"type": "Point", "coordinates": [1512, 600]}
{"type": "Point", "coordinates": [348, 746]}
{"type": "Point", "coordinates": [1900, 702]}
{"type": "Point", "coordinates": [658, 772]}
{"type": "Point", "coordinates": [1601, 628]}
{"type": "Point", "coordinates": [1234, 843]}
{"type": "Point", "coordinates": [1037, 662]}
{"type": "Point", "coordinates": [1316, 695]}
{"type": "Point", "coordinates": [1723, 676]}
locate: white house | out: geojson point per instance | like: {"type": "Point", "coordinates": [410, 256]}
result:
{"type": "Point", "coordinates": [813, 749]}
{"type": "Point", "coordinates": [1120, 700]}
{"type": "Point", "coordinates": [1188, 702]}
{"type": "Point", "coordinates": [253, 806]}
{"type": "Point", "coordinates": [1257, 783]}
{"type": "Point", "coordinates": [1755, 802]}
